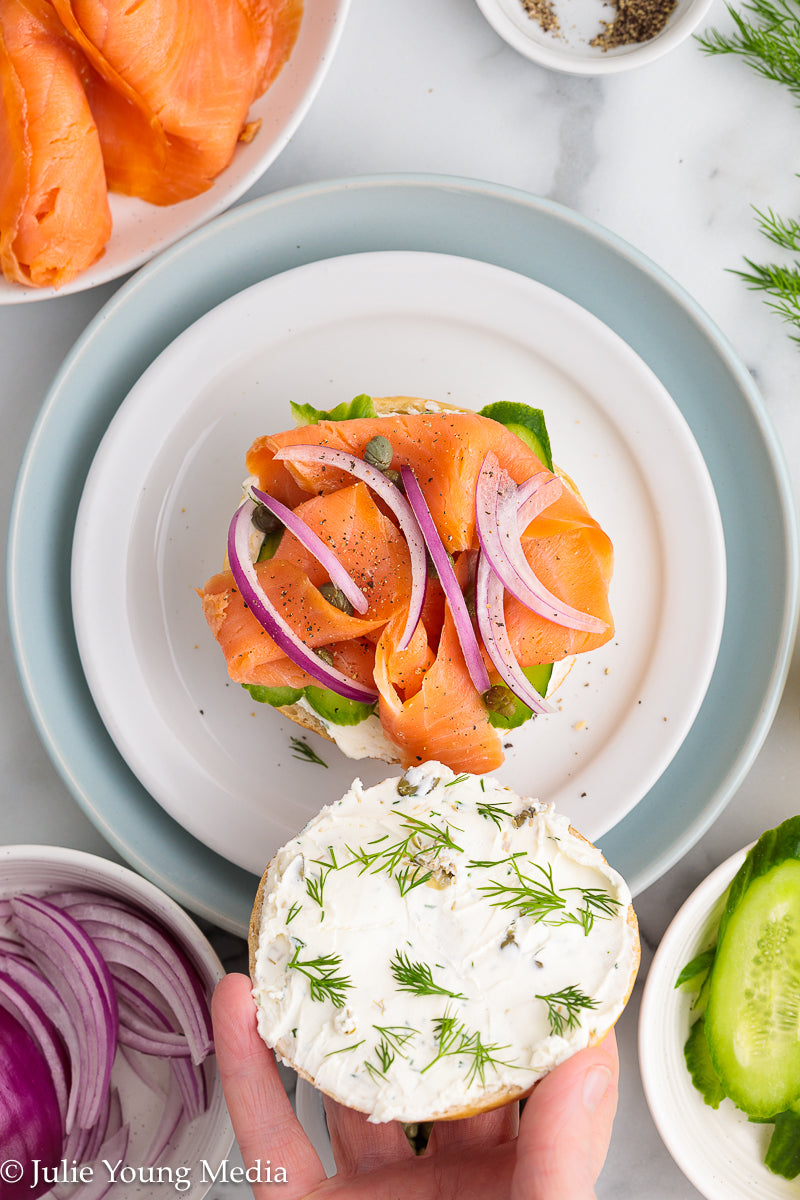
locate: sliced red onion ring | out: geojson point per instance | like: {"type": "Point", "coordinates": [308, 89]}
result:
{"type": "Point", "coordinates": [259, 603]}
{"type": "Point", "coordinates": [108, 918]}
{"type": "Point", "coordinates": [21, 1005]}
{"type": "Point", "coordinates": [58, 942]}
{"type": "Point", "coordinates": [27, 977]}
{"type": "Point", "coordinates": [30, 1121]}
{"type": "Point", "coordinates": [533, 497]}
{"type": "Point", "coordinates": [493, 631]}
{"type": "Point", "coordinates": [396, 501]}
{"type": "Point", "coordinates": [496, 516]}
{"type": "Point", "coordinates": [315, 545]}
{"type": "Point", "coordinates": [190, 1079]}
{"type": "Point", "coordinates": [447, 576]}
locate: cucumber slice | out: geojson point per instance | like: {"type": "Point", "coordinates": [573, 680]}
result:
{"type": "Point", "coordinates": [518, 711]}
{"type": "Point", "coordinates": [326, 704]}
{"type": "Point", "coordinates": [753, 1013]}
{"type": "Point", "coordinates": [337, 709]}
{"type": "Point", "coordinates": [700, 1066]}
{"type": "Point", "coordinates": [527, 423]}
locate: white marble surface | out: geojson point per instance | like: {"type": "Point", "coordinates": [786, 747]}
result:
{"type": "Point", "coordinates": [669, 157]}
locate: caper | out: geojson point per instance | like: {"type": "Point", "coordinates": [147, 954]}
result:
{"type": "Point", "coordinates": [498, 699]}
{"type": "Point", "coordinates": [337, 598]}
{"type": "Point", "coordinates": [378, 452]}
{"type": "Point", "coordinates": [394, 477]}
{"type": "Point", "coordinates": [265, 520]}
{"type": "Point", "coordinates": [324, 653]}
{"type": "Point", "coordinates": [405, 787]}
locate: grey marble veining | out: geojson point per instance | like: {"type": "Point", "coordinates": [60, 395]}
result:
{"type": "Point", "coordinates": [671, 158]}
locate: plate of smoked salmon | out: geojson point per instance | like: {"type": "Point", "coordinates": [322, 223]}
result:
{"type": "Point", "coordinates": [167, 113]}
{"type": "Point", "coordinates": [536, 238]}
{"type": "Point", "coordinates": [153, 528]}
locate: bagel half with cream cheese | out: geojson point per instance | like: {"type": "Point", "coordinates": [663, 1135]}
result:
{"type": "Point", "coordinates": [433, 701]}
{"type": "Point", "coordinates": [428, 948]}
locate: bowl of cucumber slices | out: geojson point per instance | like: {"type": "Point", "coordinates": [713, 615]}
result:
{"type": "Point", "coordinates": [719, 1030]}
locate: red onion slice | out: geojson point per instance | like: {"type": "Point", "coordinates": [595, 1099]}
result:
{"type": "Point", "coordinates": [496, 515]}
{"type": "Point", "coordinates": [315, 545]}
{"type": "Point", "coordinates": [259, 603]}
{"type": "Point", "coordinates": [396, 502]}
{"type": "Point", "coordinates": [30, 1122]}
{"type": "Point", "coordinates": [111, 921]}
{"type": "Point", "coordinates": [493, 631]}
{"type": "Point", "coordinates": [59, 945]}
{"type": "Point", "coordinates": [455, 597]}
{"type": "Point", "coordinates": [27, 977]}
{"type": "Point", "coordinates": [21, 1005]}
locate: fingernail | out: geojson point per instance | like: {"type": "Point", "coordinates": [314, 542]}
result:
{"type": "Point", "coordinates": [595, 1085]}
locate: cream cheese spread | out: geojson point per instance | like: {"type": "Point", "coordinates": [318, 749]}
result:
{"type": "Point", "coordinates": [436, 940]}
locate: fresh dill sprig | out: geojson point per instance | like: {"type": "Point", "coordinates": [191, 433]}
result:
{"type": "Point", "coordinates": [293, 911]}
{"type": "Point", "coordinates": [417, 978]}
{"type": "Point", "coordinates": [493, 812]}
{"type": "Point", "coordinates": [777, 229]}
{"type": "Point", "coordinates": [411, 876]}
{"type": "Point", "coordinates": [535, 898]}
{"type": "Point", "coordinates": [320, 972]}
{"type": "Point", "coordinates": [397, 1036]}
{"type": "Point", "coordinates": [315, 887]}
{"type": "Point", "coordinates": [782, 283]}
{"type": "Point", "coordinates": [302, 750]}
{"type": "Point", "coordinates": [344, 1049]}
{"type": "Point", "coordinates": [770, 43]}
{"type": "Point", "coordinates": [454, 1039]}
{"type": "Point", "coordinates": [563, 1008]}
{"type": "Point", "coordinates": [458, 779]}
{"type": "Point", "coordinates": [494, 862]}
{"type": "Point", "coordinates": [401, 859]}
{"type": "Point", "coordinates": [767, 38]}
{"type": "Point", "coordinates": [599, 901]}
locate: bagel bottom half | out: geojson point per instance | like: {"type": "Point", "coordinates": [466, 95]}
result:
{"type": "Point", "coordinates": [428, 948]}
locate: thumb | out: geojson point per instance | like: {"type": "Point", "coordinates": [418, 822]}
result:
{"type": "Point", "coordinates": [565, 1127]}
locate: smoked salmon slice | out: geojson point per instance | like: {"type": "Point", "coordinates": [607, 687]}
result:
{"type": "Point", "coordinates": [443, 719]}
{"type": "Point", "coordinates": [441, 448]}
{"type": "Point", "coordinates": [171, 87]}
{"type": "Point", "coordinates": [54, 215]}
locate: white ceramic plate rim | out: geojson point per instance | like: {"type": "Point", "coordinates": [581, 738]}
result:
{"type": "Point", "coordinates": [141, 230]}
{"type": "Point", "coordinates": [384, 283]}
{"type": "Point", "coordinates": [717, 1149]}
{"type": "Point", "coordinates": [212, 1134]}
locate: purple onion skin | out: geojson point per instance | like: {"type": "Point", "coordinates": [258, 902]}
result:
{"type": "Point", "coordinates": [30, 1123]}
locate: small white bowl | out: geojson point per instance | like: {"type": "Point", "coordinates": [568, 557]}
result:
{"type": "Point", "coordinates": [570, 49]}
{"type": "Point", "coordinates": [200, 1153]}
{"type": "Point", "coordinates": [718, 1150]}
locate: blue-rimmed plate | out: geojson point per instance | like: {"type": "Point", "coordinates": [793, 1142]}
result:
{"type": "Point", "coordinates": [481, 221]}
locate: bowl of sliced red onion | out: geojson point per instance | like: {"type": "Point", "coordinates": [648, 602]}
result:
{"type": "Point", "coordinates": [108, 1081]}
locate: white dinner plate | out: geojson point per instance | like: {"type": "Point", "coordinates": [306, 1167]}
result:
{"type": "Point", "coordinates": [167, 477]}
{"type": "Point", "coordinates": [140, 230]}
{"type": "Point", "coordinates": [719, 1150]}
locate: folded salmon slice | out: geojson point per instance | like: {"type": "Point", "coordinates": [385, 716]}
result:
{"type": "Point", "coordinates": [367, 544]}
{"type": "Point", "coordinates": [171, 85]}
{"type": "Point", "coordinates": [440, 716]}
{"type": "Point", "coordinates": [445, 451]}
{"type": "Point", "coordinates": [54, 215]}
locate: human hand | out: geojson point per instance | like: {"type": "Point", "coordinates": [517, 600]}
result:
{"type": "Point", "coordinates": [555, 1152]}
